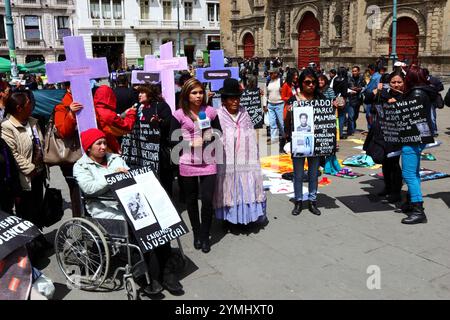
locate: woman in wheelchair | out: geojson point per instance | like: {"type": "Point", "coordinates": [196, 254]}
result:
{"type": "Point", "coordinates": [90, 171]}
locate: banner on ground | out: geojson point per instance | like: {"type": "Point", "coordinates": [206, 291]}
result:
{"type": "Point", "coordinates": [15, 233]}
{"type": "Point", "coordinates": [405, 122]}
{"type": "Point", "coordinates": [149, 210]}
{"type": "Point", "coordinates": [314, 128]}
{"type": "Point", "coordinates": [251, 101]}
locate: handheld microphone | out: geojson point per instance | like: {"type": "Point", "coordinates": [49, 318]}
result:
{"type": "Point", "coordinates": [204, 122]}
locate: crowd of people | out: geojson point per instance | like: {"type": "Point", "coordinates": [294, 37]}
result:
{"type": "Point", "coordinates": [227, 179]}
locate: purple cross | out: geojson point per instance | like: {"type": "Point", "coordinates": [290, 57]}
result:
{"type": "Point", "coordinates": [143, 77]}
{"type": "Point", "coordinates": [79, 70]}
{"type": "Point", "coordinates": [217, 73]}
{"type": "Point", "coordinates": [166, 65]}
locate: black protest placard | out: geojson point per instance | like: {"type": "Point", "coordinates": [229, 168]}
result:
{"type": "Point", "coordinates": [15, 233]}
{"type": "Point", "coordinates": [251, 101]}
{"type": "Point", "coordinates": [405, 122]}
{"type": "Point", "coordinates": [216, 100]}
{"type": "Point", "coordinates": [140, 148]}
{"type": "Point", "coordinates": [314, 128]}
{"type": "Point", "coordinates": [149, 210]}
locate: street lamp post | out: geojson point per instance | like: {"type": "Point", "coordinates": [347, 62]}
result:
{"type": "Point", "coordinates": [179, 33]}
{"type": "Point", "coordinates": [11, 42]}
{"type": "Point", "coordinates": [394, 33]}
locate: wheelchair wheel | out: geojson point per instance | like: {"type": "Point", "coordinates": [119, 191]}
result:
{"type": "Point", "coordinates": [82, 253]}
{"type": "Point", "coordinates": [131, 289]}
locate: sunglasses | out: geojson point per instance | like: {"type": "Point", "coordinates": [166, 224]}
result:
{"type": "Point", "coordinates": [309, 82]}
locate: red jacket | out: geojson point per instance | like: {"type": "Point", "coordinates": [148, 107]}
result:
{"type": "Point", "coordinates": [107, 119]}
{"type": "Point", "coordinates": [286, 94]}
{"type": "Point", "coordinates": [65, 121]}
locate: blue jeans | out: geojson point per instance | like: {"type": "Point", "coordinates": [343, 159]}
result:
{"type": "Point", "coordinates": [433, 119]}
{"type": "Point", "coordinates": [349, 111]}
{"type": "Point", "coordinates": [410, 170]}
{"type": "Point", "coordinates": [313, 167]}
{"type": "Point", "coordinates": [369, 116]}
{"type": "Point", "coordinates": [276, 120]}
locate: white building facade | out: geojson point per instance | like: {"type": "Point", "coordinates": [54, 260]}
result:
{"type": "Point", "coordinates": [39, 26]}
{"type": "Point", "coordinates": [126, 30]}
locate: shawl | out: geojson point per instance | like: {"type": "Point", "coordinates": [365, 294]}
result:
{"type": "Point", "coordinates": [239, 177]}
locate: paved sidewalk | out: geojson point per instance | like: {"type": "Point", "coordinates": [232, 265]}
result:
{"type": "Point", "coordinates": [325, 257]}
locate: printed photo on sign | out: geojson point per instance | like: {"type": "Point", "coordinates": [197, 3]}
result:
{"type": "Point", "coordinates": [136, 207]}
{"type": "Point", "coordinates": [424, 129]}
{"type": "Point", "coordinates": [303, 120]}
{"type": "Point", "coordinates": [313, 128]}
{"type": "Point", "coordinates": [162, 206]}
{"type": "Point", "coordinates": [302, 144]}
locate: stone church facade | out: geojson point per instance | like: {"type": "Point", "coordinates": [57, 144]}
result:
{"type": "Point", "coordinates": [338, 32]}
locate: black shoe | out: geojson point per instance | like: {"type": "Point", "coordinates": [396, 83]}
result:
{"type": "Point", "coordinates": [417, 215]}
{"type": "Point", "coordinates": [394, 197]}
{"type": "Point", "coordinates": [406, 207]}
{"type": "Point", "coordinates": [206, 246]}
{"type": "Point", "coordinates": [383, 193]}
{"type": "Point", "coordinates": [197, 242]}
{"type": "Point", "coordinates": [171, 284]}
{"type": "Point", "coordinates": [343, 137]}
{"type": "Point", "coordinates": [153, 288]}
{"type": "Point", "coordinates": [298, 208]}
{"type": "Point", "coordinates": [313, 208]}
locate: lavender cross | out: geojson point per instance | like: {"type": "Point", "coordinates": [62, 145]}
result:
{"type": "Point", "coordinates": [217, 73]}
{"type": "Point", "coordinates": [79, 70]}
{"type": "Point", "coordinates": [166, 65]}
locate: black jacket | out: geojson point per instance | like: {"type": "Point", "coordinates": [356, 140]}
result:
{"type": "Point", "coordinates": [359, 82]}
{"type": "Point", "coordinates": [126, 98]}
{"type": "Point", "coordinates": [340, 86]}
{"type": "Point", "coordinates": [447, 98]}
{"type": "Point", "coordinates": [425, 95]}
{"type": "Point", "coordinates": [375, 135]}
{"type": "Point", "coordinates": [9, 176]}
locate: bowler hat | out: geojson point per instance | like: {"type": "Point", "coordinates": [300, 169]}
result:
{"type": "Point", "coordinates": [231, 88]}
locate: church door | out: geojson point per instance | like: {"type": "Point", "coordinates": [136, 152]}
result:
{"type": "Point", "coordinates": [407, 41]}
{"type": "Point", "coordinates": [308, 40]}
{"type": "Point", "coordinates": [249, 46]}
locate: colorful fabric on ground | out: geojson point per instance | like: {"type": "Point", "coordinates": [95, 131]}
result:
{"type": "Point", "coordinates": [427, 157]}
{"type": "Point", "coordinates": [360, 160]}
{"type": "Point", "coordinates": [279, 163]}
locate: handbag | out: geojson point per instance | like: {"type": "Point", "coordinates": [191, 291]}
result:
{"type": "Point", "coordinates": [439, 102]}
{"type": "Point", "coordinates": [340, 102]}
{"type": "Point", "coordinates": [59, 151]}
{"type": "Point", "coordinates": [52, 206]}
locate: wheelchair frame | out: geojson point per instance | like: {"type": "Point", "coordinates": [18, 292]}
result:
{"type": "Point", "coordinates": [85, 242]}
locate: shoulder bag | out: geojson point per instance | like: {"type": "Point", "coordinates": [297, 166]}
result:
{"type": "Point", "coordinates": [59, 151]}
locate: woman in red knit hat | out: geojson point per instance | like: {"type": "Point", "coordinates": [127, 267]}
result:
{"type": "Point", "coordinates": [90, 173]}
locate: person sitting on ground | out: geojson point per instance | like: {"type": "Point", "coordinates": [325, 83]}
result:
{"type": "Point", "coordinates": [90, 173]}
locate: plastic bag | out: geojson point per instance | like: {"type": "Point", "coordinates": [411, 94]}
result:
{"type": "Point", "coordinates": [44, 286]}
{"type": "Point", "coordinates": [266, 119]}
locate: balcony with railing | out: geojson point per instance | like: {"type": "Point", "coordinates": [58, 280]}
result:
{"type": "Point", "coordinates": [170, 24]}
{"type": "Point", "coordinates": [34, 43]}
{"type": "Point", "coordinates": [191, 24]}
{"type": "Point", "coordinates": [214, 24]}
{"type": "Point", "coordinates": [107, 23]}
